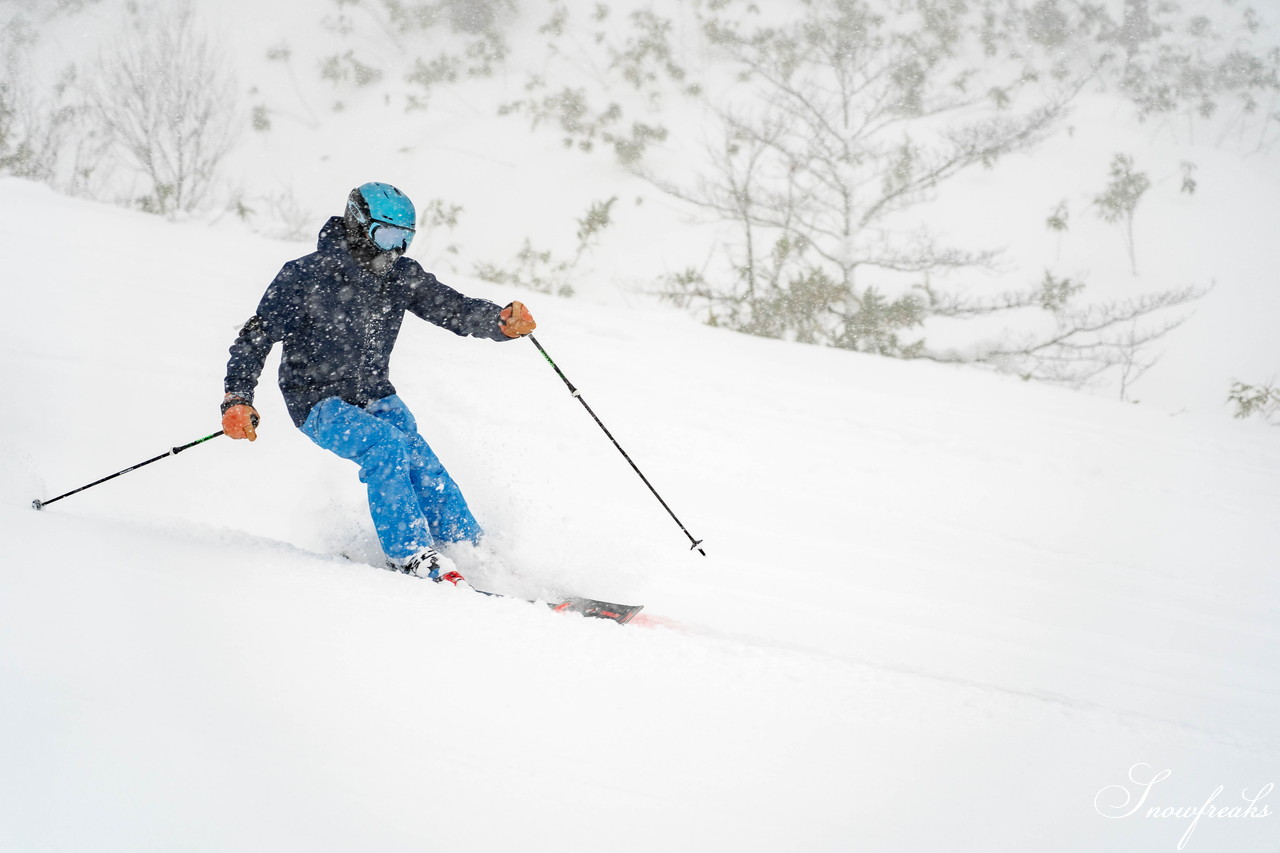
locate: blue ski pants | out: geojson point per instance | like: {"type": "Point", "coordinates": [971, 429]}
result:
{"type": "Point", "coordinates": [413, 500]}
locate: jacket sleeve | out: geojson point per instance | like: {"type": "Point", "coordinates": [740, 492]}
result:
{"type": "Point", "coordinates": [437, 303]}
{"type": "Point", "coordinates": [270, 324]}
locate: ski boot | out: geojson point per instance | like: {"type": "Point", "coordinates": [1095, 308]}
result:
{"type": "Point", "coordinates": [430, 565]}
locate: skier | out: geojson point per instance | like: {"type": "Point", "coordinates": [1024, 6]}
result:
{"type": "Point", "coordinates": [338, 311]}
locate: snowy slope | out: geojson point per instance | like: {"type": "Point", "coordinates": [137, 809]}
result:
{"type": "Point", "coordinates": [941, 609]}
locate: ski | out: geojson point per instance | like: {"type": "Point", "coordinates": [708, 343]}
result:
{"type": "Point", "coordinates": [588, 607]}
{"type": "Point", "coordinates": [620, 613]}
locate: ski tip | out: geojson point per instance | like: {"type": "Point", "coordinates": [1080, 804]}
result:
{"type": "Point", "coordinates": [630, 614]}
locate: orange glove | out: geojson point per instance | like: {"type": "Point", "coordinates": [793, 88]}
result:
{"type": "Point", "coordinates": [239, 418]}
{"type": "Point", "coordinates": [516, 321]}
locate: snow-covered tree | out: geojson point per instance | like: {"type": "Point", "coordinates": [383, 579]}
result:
{"type": "Point", "coordinates": [165, 97]}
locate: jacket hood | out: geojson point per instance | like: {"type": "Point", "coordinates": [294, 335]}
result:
{"type": "Point", "coordinates": [333, 237]}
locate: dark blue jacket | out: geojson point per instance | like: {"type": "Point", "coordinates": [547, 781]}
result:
{"type": "Point", "coordinates": [339, 322]}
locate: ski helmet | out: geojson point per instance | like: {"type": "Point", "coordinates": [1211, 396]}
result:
{"type": "Point", "coordinates": [382, 215]}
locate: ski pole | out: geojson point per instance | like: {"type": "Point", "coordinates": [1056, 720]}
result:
{"type": "Point", "coordinates": [576, 393]}
{"type": "Point", "coordinates": [39, 504]}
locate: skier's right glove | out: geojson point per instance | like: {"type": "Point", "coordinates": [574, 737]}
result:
{"type": "Point", "coordinates": [239, 418]}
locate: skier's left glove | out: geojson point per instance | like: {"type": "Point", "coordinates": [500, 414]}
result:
{"type": "Point", "coordinates": [516, 321]}
{"type": "Point", "coordinates": [239, 418]}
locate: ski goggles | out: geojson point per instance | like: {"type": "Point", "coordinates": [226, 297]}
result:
{"type": "Point", "coordinates": [387, 237]}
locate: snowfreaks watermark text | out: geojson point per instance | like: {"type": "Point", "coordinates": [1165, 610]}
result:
{"type": "Point", "coordinates": [1134, 800]}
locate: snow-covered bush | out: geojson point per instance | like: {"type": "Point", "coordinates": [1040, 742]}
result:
{"type": "Point", "coordinates": [1262, 401]}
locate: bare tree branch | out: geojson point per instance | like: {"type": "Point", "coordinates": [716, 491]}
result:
{"type": "Point", "coordinates": [164, 95]}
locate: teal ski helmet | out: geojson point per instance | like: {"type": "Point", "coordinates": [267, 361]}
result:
{"type": "Point", "coordinates": [381, 214]}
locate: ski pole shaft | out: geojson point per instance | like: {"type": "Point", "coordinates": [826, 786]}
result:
{"type": "Point", "coordinates": [39, 504]}
{"type": "Point", "coordinates": [578, 394]}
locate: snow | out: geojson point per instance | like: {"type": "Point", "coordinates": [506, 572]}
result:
{"type": "Point", "coordinates": [941, 609]}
